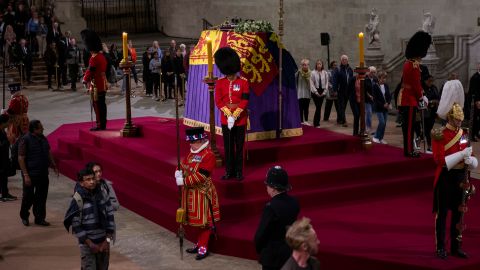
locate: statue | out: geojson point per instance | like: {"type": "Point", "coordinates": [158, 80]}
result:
{"type": "Point", "coordinates": [428, 24]}
{"type": "Point", "coordinates": [372, 29]}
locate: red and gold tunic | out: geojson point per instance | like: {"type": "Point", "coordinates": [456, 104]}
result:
{"type": "Point", "coordinates": [17, 110]}
{"type": "Point", "coordinates": [198, 192]}
{"type": "Point", "coordinates": [447, 141]}
{"type": "Point", "coordinates": [233, 94]}
{"type": "Point", "coordinates": [411, 91]}
{"type": "Point", "coordinates": [97, 66]}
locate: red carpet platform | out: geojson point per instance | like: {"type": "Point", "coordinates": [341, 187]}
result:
{"type": "Point", "coordinates": [371, 210]}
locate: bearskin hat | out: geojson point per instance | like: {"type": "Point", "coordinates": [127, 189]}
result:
{"type": "Point", "coordinates": [418, 45]}
{"type": "Point", "coordinates": [227, 61]}
{"type": "Point", "coordinates": [92, 40]}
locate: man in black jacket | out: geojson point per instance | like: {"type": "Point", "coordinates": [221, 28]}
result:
{"type": "Point", "coordinates": [474, 91]}
{"type": "Point", "coordinates": [341, 77]}
{"type": "Point", "coordinates": [280, 212]}
{"type": "Point", "coordinates": [4, 160]}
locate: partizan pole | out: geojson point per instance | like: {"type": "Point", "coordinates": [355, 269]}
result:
{"type": "Point", "coordinates": [180, 211]}
{"type": "Point", "coordinates": [280, 68]}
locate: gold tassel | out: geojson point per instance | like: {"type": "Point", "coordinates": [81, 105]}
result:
{"type": "Point", "coordinates": [180, 215]}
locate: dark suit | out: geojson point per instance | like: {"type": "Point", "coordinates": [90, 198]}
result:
{"type": "Point", "coordinates": [341, 78]}
{"type": "Point", "coordinates": [474, 91]}
{"type": "Point", "coordinates": [270, 243]}
{"type": "Point", "coordinates": [24, 56]}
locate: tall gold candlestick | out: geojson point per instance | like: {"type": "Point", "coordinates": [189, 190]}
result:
{"type": "Point", "coordinates": [360, 48]}
{"type": "Point", "coordinates": [124, 46]}
{"type": "Point", "coordinates": [209, 57]}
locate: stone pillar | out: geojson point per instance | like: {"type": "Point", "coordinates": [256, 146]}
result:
{"type": "Point", "coordinates": [431, 60]}
{"type": "Point", "coordinates": [374, 57]}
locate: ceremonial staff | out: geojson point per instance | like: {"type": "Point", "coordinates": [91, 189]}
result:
{"type": "Point", "coordinates": [180, 211]}
{"type": "Point", "coordinates": [280, 68]}
{"type": "Point", "coordinates": [468, 190]}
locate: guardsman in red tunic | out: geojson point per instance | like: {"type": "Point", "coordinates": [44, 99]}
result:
{"type": "Point", "coordinates": [231, 97]}
{"type": "Point", "coordinates": [452, 155]}
{"type": "Point", "coordinates": [17, 111]}
{"type": "Point", "coordinates": [411, 93]}
{"type": "Point", "coordinates": [95, 77]}
{"type": "Point", "coordinates": [199, 196]}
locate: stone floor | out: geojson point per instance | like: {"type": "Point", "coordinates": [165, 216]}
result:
{"type": "Point", "coordinates": [140, 244]}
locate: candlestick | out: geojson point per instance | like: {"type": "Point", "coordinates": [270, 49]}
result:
{"type": "Point", "coordinates": [360, 47]}
{"type": "Point", "coordinates": [125, 47]}
{"type": "Point", "coordinates": [209, 57]}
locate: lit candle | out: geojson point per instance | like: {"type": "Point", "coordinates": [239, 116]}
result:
{"type": "Point", "coordinates": [125, 47]}
{"type": "Point", "coordinates": [209, 57]}
{"type": "Point", "coordinates": [360, 47]}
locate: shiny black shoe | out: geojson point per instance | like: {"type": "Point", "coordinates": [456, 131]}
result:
{"type": "Point", "coordinates": [441, 253]}
{"type": "Point", "coordinates": [42, 223]}
{"type": "Point", "coordinates": [95, 129]}
{"type": "Point", "coordinates": [9, 197]}
{"type": "Point", "coordinates": [193, 250]}
{"type": "Point", "coordinates": [227, 176]}
{"type": "Point", "coordinates": [201, 256]}
{"type": "Point", "coordinates": [413, 154]}
{"type": "Point", "coordinates": [25, 222]}
{"type": "Point", "coordinates": [459, 253]}
{"type": "Point", "coordinates": [239, 177]}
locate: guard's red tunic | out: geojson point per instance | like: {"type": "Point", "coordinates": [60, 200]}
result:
{"type": "Point", "coordinates": [97, 66]}
{"type": "Point", "coordinates": [412, 90]}
{"type": "Point", "coordinates": [233, 94]}
{"type": "Point", "coordinates": [198, 191]}
{"type": "Point", "coordinates": [439, 152]}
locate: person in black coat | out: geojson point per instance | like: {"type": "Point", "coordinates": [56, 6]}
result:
{"type": "Point", "coordinates": [474, 93]}
{"type": "Point", "coordinates": [168, 75]}
{"type": "Point", "coordinates": [4, 160]}
{"type": "Point", "coordinates": [280, 212]}
{"type": "Point", "coordinates": [433, 95]}
{"type": "Point", "coordinates": [341, 78]}
{"type": "Point", "coordinates": [147, 76]}
{"type": "Point", "coordinates": [24, 57]}
{"type": "Point", "coordinates": [382, 102]}
{"type": "Point", "coordinates": [179, 72]}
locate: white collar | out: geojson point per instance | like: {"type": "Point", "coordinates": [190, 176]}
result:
{"type": "Point", "coordinates": [200, 148]}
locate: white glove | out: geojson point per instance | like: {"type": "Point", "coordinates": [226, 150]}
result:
{"type": "Point", "coordinates": [3, 111]}
{"type": "Point", "coordinates": [467, 152]}
{"type": "Point", "coordinates": [454, 159]}
{"type": "Point", "coordinates": [472, 162]}
{"type": "Point", "coordinates": [230, 122]}
{"type": "Point", "coordinates": [425, 99]}
{"type": "Point", "coordinates": [179, 180]}
{"type": "Point", "coordinates": [178, 173]}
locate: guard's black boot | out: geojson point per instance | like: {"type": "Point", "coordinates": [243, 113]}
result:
{"type": "Point", "coordinates": [457, 251]}
{"type": "Point", "coordinates": [227, 176]}
{"type": "Point", "coordinates": [441, 253]}
{"type": "Point", "coordinates": [239, 177]}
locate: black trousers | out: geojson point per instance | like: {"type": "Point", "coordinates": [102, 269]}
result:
{"type": "Point", "coordinates": [233, 141]}
{"type": "Point", "coordinates": [148, 80]}
{"type": "Point", "coordinates": [408, 121]}
{"type": "Point", "coordinates": [448, 196]}
{"type": "Point", "coordinates": [303, 104]}
{"type": "Point", "coordinates": [100, 108]}
{"type": "Point", "coordinates": [73, 74]}
{"type": "Point", "coordinates": [328, 108]}
{"type": "Point", "coordinates": [35, 195]}
{"type": "Point", "coordinates": [318, 101]}
{"type": "Point", "coordinates": [156, 84]}
{"type": "Point", "coordinates": [476, 122]}
{"type": "Point", "coordinates": [355, 107]}
{"type": "Point", "coordinates": [51, 70]}
{"type": "Point", "coordinates": [4, 184]}
{"type": "Point", "coordinates": [342, 106]}
{"type": "Point", "coordinates": [25, 71]}
{"type": "Point", "coordinates": [62, 72]}
{"type": "Point", "coordinates": [429, 123]}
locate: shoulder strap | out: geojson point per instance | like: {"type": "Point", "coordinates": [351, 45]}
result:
{"type": "Point", "coordinates": [454, 140]}
{"type": "Point", "coordinates": [79, 201]}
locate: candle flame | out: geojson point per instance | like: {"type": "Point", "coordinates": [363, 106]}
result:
{"type": "Point", "coordinates": [360, 35]}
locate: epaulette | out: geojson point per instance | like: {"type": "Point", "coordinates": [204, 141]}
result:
{"type": "Point", "coordinates": [243, 78]}
{"type": "Point", "coordinates": [437, 133]}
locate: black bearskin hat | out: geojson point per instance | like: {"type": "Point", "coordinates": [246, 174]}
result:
{"type": "Point", "coordinates": [92, 40]}
{"type": "Point", "coordinates": [227, 61]}
{"type": "Point", "coordinates": [418, 45]}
